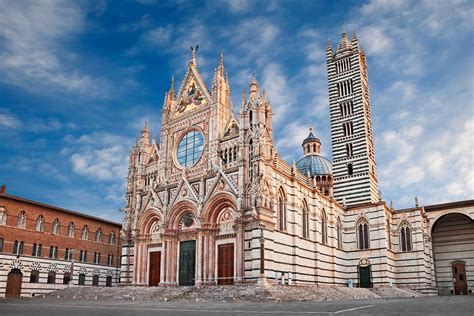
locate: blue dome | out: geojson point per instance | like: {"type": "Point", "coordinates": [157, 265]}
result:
{"type": "Point", "coordinates": [315, 164]}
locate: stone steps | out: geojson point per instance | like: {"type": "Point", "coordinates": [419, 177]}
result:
{"type": "Point", "coordinates": [229, 293]}
{"type": "Point", "coordinates": [395, 292]}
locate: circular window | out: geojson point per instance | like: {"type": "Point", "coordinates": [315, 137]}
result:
{"type": "Point", "coordinates": [188, 220]}
{"type": "Point", "coordinates": [190, 149]}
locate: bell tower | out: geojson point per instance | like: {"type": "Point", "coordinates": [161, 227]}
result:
{"type": "Point", "coordinates": [354, 167]}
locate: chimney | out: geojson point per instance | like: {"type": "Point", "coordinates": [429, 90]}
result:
{"type": "Point", "coordinates": [3, 189]}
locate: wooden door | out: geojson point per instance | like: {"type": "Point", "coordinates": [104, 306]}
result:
{"type": "Point", "coordinates": [187, 262]}
{"type": "Point", "coordinates": [364, 277]}
{"type": "Point", "coordinates": [225, 264]}
{"type": "Point", "coordinates": [108, 281]}
{"type": "Point", "coordinates": [459, 278]}
{"type": "Point", "coordinates": [155, 268]}
{"type": "Point", "coordinates": [14, 281]}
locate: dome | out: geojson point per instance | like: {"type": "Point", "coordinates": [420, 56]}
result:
{"type": "Point", "coordinates": [315, 164]}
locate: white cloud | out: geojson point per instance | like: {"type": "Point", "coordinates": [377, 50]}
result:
{"type": "Point", "coordinates": [34, 53]}
{"type": "Point", "coordinates": [109, 163]}
{"type": "Point", "coordinates": [99, 156]}
{"type": "Point", "coordinates": [9, 121]}
{"type": "Point", "coordinates": [376, 40]}
{"type": "Point", "coordinates": [278, 92]}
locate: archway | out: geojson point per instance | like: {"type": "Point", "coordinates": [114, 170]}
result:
{"type": "Point", "coordinates": [453, 253]}
{"type": "Point", "coordinates": [14, 281]}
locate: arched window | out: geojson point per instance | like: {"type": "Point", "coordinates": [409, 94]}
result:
{"type": "Point", "coordinates": [70, 229]}
{"type": "Point", "coordinates": [51, 277]}
{"type": "Point", "coordinates": [110, 260]}
{"type": "Point", "coordinates": [34, 276]}
{"type": "Point", "coordinates": [281, 210]}
{"type": "Point", "coordinates": [55, 227]}
{"type": "Point", "coordinates": [363, 234]}
{"type": "Point", "coordinates": [96, 258]}
{"type": "Point", "coordinates": [305, 224]}
{"type": "Point", "coordinates": [18, 247]}
{"type": "Point", "coordinates": [339, 233]}
{"type": "Point", "coordinates": [40, 224]}
{"type": "Point", "coordinates": [53, 252]}
{"type": "Point", "coordinates": [98, 235]}
{"type": "Point", "coordinates": [21, 220]}
{"type": "Point", "coordinates": [68, 254]}
{"type": "Point", "coordinates": [36, 250]}
{"type": "Point", "coordinates": [112, 238]}
{"type": "Point", "coordinates": [83, 256]}
{"type": "Point", "coordinates": [85, 233]}
{"type": "Point", "coordinates": [324, 227]}
{"type": "Point", "coordinates": [3, 216]}
{"type": "Point", "coordinates": [405, 237]}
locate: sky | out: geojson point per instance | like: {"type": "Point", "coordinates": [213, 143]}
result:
{"type": "Point", "coordinates": [78, 79]}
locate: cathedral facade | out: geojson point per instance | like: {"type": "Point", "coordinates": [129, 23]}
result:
{"type": "Point", "coordinates": [211, 202]}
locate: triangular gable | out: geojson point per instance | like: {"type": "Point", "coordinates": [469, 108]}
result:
{"type": "Point", "coordinates": [231, 127]}
{"type": "Point", "coordinates": [152, 200]}
{"type": "Point", "coordinates": [184, 191]}
{"type": "Point", "coordinates": [222, 183]}
{"type": "Point", "coordinates": [192, 94]}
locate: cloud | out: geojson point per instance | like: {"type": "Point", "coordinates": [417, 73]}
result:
{"type": "Point", "coordinates": [279, 94]}
{"type": "Point", "coordinates": [8, 120]}
{"type": "Point", "coordinates": [99, 156]}
{"type": "Point", "coordinates": [34, 53]}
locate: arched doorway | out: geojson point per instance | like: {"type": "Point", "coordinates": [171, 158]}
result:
{"type": "Point", "coordinates": [14, 281]}
{"type": "Point", "coordinates": [453, 253]}
{"type": "Point", "coordinates": [365, 273]}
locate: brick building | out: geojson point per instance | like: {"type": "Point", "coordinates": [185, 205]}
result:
{"type": "Point", "coordinates": [44, 248]}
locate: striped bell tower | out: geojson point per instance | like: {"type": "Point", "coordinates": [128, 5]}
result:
{"type": "Point", "coordinates": [354, 167]}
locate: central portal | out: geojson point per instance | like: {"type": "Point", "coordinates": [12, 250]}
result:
{"type": "Point", "coordinates": [187, 262]}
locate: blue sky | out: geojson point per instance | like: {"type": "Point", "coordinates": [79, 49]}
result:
{"type": "Point", "coordinates": [78, 80]}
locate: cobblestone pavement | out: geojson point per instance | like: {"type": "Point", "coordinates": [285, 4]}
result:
{"type": "Point", "coordinates": [442, 305]}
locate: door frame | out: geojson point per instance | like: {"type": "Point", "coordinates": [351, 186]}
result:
{"type": "Point", "coordinates": [149, 266]}
{"type": "Point", "coordinates": [216, 255]}
{"type": "Point", "coordinates": [17, 271]}
{"type": "Point", "coordinates": [196, 247]}
{"type": "Point", "coordinates": [153, 249]}
{"type": "Point", "coordinates": [370, 274]}
{"type": "Point", "coordinates": [457, 262]}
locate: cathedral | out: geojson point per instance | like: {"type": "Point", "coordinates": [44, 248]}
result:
{"type": "Point", "coordinates": [211, 202]}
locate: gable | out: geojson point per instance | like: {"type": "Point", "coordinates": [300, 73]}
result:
{"type": "Point", "coordinates": [193, 94]}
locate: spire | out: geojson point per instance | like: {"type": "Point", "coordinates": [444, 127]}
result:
{"type": "Point", "coordinates": [220, 68]}
{"type": "Point", "coordinates": [145, 134]}
{"type": "Point", "coordinates": [344, 44]}
{"type": "Point", "coordinates": [354, 41]}
{"type": "Point", "coordinates": [193, 54]}
{"type": "Point", "coordinates": [253, 88]}
{"type": "Point", "coordinates": [171, 92]}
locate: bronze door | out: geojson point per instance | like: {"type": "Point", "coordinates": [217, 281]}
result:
{"type": "Point", "coordinates": [155, 268]}
{"type": "Point", "coordinates": [187, 262]}
{"type": "Point", "coordinates": [14, 280]}
{"type": "Point", "coordinates": [225, 264]}
{"type": "Point", "coordinates": [459, 278]}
